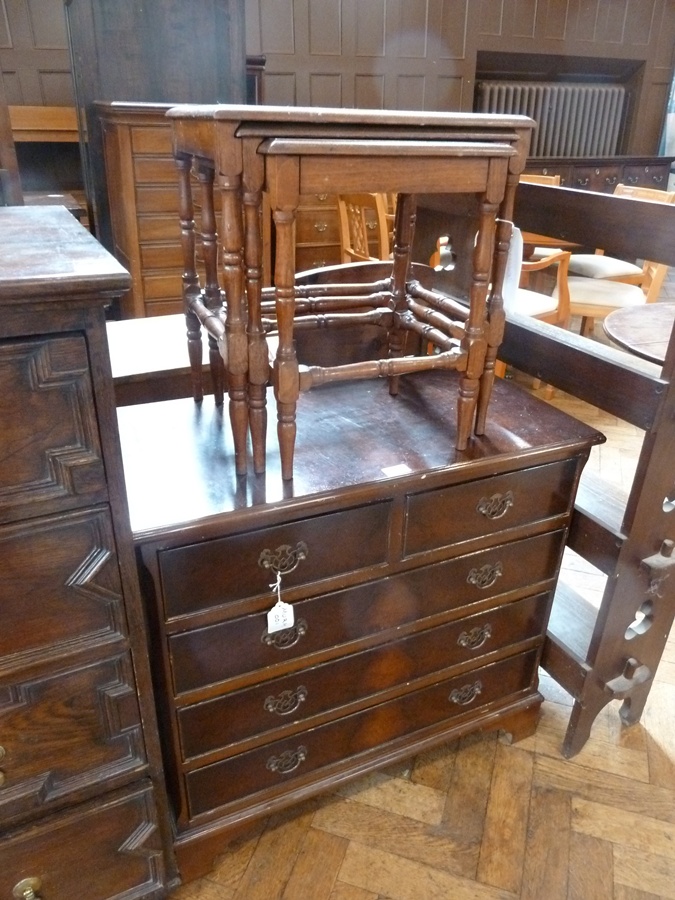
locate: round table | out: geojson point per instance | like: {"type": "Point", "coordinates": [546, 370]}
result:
{"type": "Point", "coordinates": [643, 330]}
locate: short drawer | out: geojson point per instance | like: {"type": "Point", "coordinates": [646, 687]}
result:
{"type": "Point", "coordinates": [157, 199]}
{"type": "Point", "coordinates": [206, 656]}
{"type": "Point", "coordinates": [104, 850]}
{"type": "Point", "coordinates": [315, 226]}
{"type": "Point", "coordinates": [152, 140]}
{"type": "Point", "coordinates": [461, 512]}
{"type": "Point", "coordinates": [158, 228]}
{"type": "Point", "coordinates": [316, 257]}
{"type": "Point", "coordinates": [155, 170]}
{"type": "Point", "coordinates": [654, 176]}
{"type": "Point", "coordinates": [68, 732]}
{"type": "Point", "coordinates": [216, 724]}
{"type": "Point", "coordinates": [60, 587]}
{"type": "Point", "coordinates": [239, 566]}
{"type": "Point", "coordinates": [276, 765]}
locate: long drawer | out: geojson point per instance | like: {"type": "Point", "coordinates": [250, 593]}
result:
{"type": "Point", "coordinates": [102, 851]}
{"type": "Point", "coordinates": [206, 656]}
{"type": "Point", "coordinates": [242, 565]}
{"type": "Point", "coordinates": [290, 701]}
{"type": "Point", "coordinates": [68, 732]}
{"type": "Point", "coordinates": [275, 766]}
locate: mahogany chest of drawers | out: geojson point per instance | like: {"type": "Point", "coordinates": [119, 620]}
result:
{"type": "Point", "coordinates": [420, 578]}
{"type": "Point", "coordinates": [80, 768]}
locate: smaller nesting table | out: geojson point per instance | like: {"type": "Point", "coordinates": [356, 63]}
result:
{"type": "Point", "coordinates": [285, 153]}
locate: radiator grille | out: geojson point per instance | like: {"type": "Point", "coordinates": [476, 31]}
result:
{"type": "Point", "coordinates": [572, 119]}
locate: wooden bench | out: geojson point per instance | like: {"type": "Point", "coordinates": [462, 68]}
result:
{"type": "Point", "coordinates": [44, 123]}
{"type": "Point", "coordinates": [611, 653]}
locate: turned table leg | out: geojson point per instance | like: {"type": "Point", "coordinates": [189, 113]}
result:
{"type": "Point", "coordinates": [286, 377]}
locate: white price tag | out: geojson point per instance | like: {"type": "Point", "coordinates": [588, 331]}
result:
{"type": "Point", "coordinates": [279, 617]}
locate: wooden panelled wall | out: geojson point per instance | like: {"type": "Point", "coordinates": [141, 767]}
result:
{"type": "Point", "coordinates": [386, 53]}
{"type": "Point", "coordinates": [397, 54]}
{"type": "Point", "coordinates": [34, 56]}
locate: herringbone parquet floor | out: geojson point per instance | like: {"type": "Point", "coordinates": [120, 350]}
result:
{"type": "Point", "coordinates": [480, 819]}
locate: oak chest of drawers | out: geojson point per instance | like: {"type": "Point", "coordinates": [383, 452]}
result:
{"type": "Point", "coordinates": [420, 578]}
{"type": "Point", "coordinates": [80, 769]}
{"type": "Point", "coordinates": [604, 173]}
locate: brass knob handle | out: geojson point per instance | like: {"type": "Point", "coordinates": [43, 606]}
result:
{"type": "Point", "coordinates": [27, 889]}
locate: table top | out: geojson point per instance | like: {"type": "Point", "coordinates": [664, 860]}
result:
{"type": "Point", "coordinates": [45, 249]}
{"type": "Point", "coordinates": [351, 436]}
{"type": "Point", "coordinates": [316, 115]}
{"type": "Point", "coordinates": [642, 330]}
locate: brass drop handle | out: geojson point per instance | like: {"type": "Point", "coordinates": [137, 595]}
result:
{"type": "Point", "coordinates": [27, 889]}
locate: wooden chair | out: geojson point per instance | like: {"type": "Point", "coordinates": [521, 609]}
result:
{"type": "Point", "coordinates": [598, 265]}
{"type": "Point", "coordinates": [521, 298]}
{"type": "Point", "coordinates": [594, 298]}
{"type": "Point", "coordinates": [364, 226]}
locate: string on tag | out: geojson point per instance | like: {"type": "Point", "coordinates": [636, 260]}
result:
{"type": "Point", "coordinates": [276, 587]}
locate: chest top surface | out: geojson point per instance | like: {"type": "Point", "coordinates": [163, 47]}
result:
{"type": "Point", "coordinates": [355, 443]}
{"type": "Point", "coordinates": [45, 252]}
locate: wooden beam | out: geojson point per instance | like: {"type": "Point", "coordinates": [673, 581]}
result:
{"type": "Point", "coordinates": [622, 226]}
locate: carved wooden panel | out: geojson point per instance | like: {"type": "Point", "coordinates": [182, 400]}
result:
{"type": "Point", "coordinates": [34, 53]}
{"type": "Point", "coordinates": [67, 731]}
{"type": "Point", "coordinates": [103, 851]}
{"type": "Point", "coordinates": [59, 588]}
{"type": "Point", "coordinates": [50, 449]}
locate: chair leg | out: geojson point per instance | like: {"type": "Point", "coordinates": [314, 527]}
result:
{"type": "Point", "coordinates": [587, 326]}
{"type": "Point", "coordinates": [500, 368]}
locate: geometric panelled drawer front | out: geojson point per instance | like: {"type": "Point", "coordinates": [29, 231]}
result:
{"type": "Point", "coordinates": [106, 850]}
{"type": "Point", "coordinates": [212, 654]}
{"type": "Point", "coordinates": [65, 732]}
{"type": "Point", "coordinates": [50, 445]}
{"type": "Point", "coordinates": [60, 587]}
